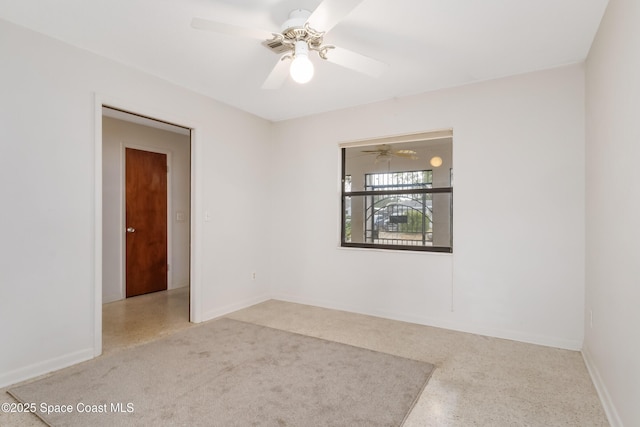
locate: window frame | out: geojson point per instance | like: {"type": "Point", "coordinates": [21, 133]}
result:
{"type": "Point", "coordinates": [367, 193]}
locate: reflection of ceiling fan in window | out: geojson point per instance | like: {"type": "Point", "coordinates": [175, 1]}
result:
{"type": "Point", "coordinates": [385, 153]}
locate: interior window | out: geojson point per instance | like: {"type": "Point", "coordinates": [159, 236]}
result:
{"type": "Point", "coordinates": [398, 194]}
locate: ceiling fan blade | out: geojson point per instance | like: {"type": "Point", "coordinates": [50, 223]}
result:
{"type": "Point", "coordinates": [355, 61]}
{"type": "Point", "coordinates": [330, 12]}
{"type": "Point", "coordinates": [278, 75]}
{"type": "Point", "coordinates": [382, 149]}
{"type": "Point", "coordinates": [406, 155]}
{"type": "Point", "coordinates": [229, 29]}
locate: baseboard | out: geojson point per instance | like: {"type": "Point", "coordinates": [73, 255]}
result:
{"type": "Point", "coordinates": [44, 367]}
{"type": "Point", "coordinates": [601, 388]}
{"type": "Point", "coordinates": [106, 299]}
{"type": "Point", "coordinates": [221, 311]}
{"type": "Point", "coordinates": [440, 323]}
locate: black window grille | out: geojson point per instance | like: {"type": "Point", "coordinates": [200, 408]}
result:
{"type": "Point", "coordinates": [398, 219]}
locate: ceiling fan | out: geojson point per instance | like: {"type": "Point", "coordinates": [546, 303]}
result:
{"type": "Point", "coordinates": [384, 152]}
{"type": "Point", "coordinates": [297, 37]}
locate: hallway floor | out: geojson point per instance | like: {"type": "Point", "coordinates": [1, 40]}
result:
{"type": "Point", "coordinates": [140, 319]}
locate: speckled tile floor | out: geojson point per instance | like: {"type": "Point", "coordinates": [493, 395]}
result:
{"type": "Point", "coordinates": [144, 318]}
{"type": "Point", "coordinates": [478, 381]}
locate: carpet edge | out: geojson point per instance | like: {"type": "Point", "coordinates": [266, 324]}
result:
{"type": "Point", "coordinates": [415, 400]}
{"type": "Point", "coordinates": [16, 396]}
{"type": "Point", "coordinates": [336, 342]}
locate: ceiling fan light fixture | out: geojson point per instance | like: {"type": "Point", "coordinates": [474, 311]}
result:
{"type": "Point", "coordinates": [298, 36]}
{"type": "Point", "coordinates": [301, 69]}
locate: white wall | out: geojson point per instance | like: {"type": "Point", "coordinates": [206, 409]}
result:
{"type": "Point", "coordinates": [116, 135]}
{"type": "Point", "coordinates": [47, 187]}
{"type": "Point", "coordinates": [517, 270]}
{"type": "Point", "coordinates": [612, 344]}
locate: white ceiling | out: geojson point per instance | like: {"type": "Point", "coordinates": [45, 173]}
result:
{"type": "Point", "coordinates": [428, 44]}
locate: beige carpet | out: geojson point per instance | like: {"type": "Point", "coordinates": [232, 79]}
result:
{"type": "Point", "coordinates": [232, 373]}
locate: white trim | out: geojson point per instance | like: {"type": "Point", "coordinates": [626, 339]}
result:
{"type": "Point", "coordinates": [97, 230]}
{"type": "Point", "coordinates": [195, 269]}
{"type": "Point", "coordinates": [397, 139]}
{"type": "Point", "coordinates": [44, 367]}
{"type": "Point", "coordinates": [601, 389]}
{"type": "Point", "coordinates": [123, 212]}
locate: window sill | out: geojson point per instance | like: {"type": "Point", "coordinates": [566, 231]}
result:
{"type": "Point", "coordinates": [440, 250]}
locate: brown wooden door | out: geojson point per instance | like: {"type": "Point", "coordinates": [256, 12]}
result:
{"type": "Point", "coordinates": [146, 222]}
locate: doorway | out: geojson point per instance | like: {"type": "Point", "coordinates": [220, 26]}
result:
{"type": "Point", "coordinates": [146, 170]}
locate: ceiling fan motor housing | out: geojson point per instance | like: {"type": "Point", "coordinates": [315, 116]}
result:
{"type": "Point", "coordinates": [297, 19]}
{"type": "Point", "coordinates": [294, 30]}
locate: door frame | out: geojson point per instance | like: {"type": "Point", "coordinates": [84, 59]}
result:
{"type": "Point", "coordinates": [170, 115]}
{"type": "Point", "coordinates": [123, 212]}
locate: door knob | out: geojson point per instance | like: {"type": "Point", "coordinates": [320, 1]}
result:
{"type": "Point", "coordinates": [131, 230]}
